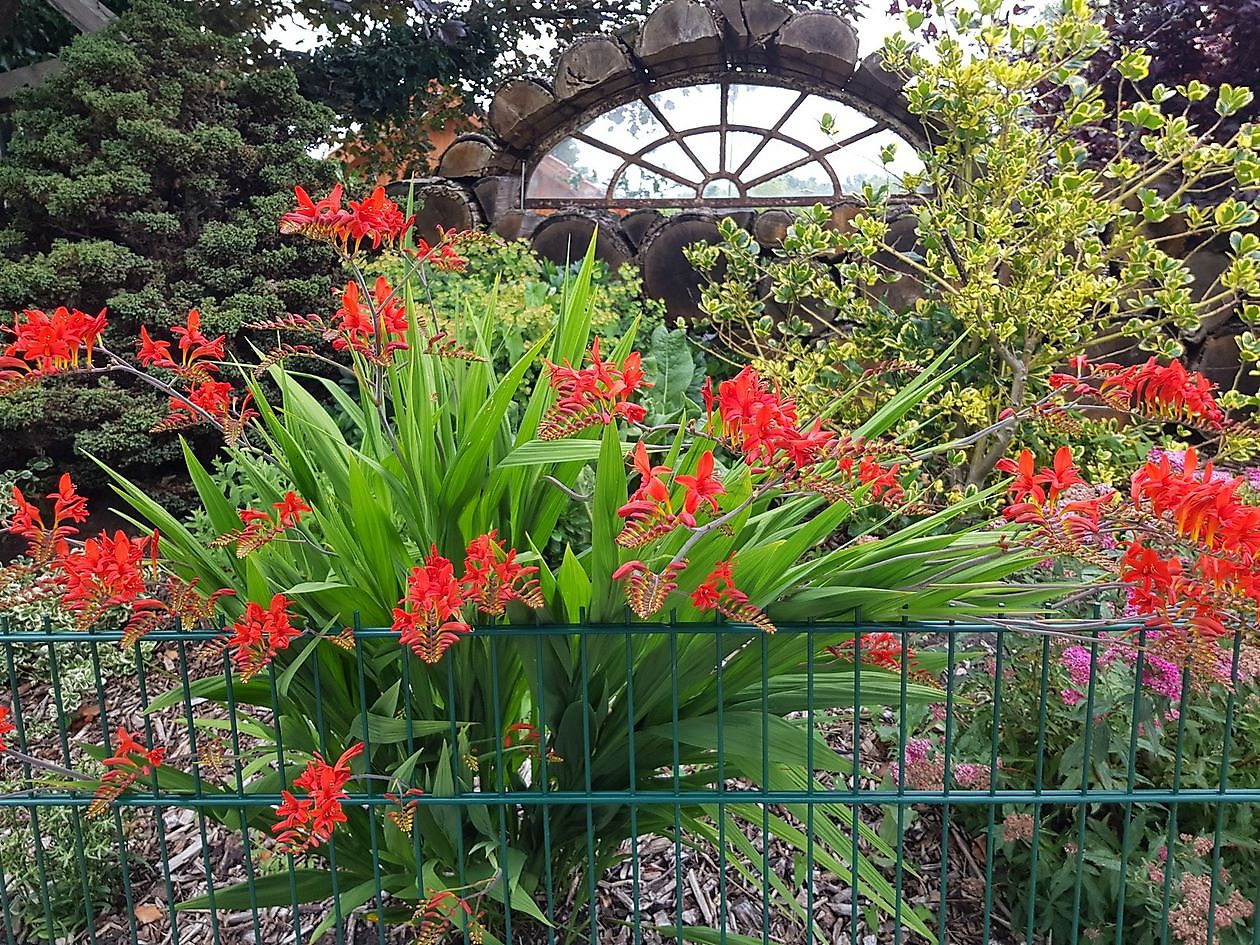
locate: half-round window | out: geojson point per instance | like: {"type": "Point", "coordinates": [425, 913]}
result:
{"type": "Point", "coordinates": [724, 143]}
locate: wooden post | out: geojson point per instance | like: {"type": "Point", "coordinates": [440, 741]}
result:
{"type": "Point", "coordinates": [28, 76]}
{"type": "Point", "coordinates": [88, 16]}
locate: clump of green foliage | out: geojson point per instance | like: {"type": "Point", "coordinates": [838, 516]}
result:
{"type": "Point", "coordinates": [1120, 864]}
{"type": "Point", "coordinates": [528, 291]}
{"type": "Point", "coordinates": [144, 178]}
{"type": "Point", "coordinates": [1017, 240]}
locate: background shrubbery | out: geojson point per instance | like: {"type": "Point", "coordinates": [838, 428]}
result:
{"type": "Point", "coordinates": [146, 178]}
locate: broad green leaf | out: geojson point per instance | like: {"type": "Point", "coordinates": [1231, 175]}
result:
{"type": "Point", "coordinates": [281, 889]}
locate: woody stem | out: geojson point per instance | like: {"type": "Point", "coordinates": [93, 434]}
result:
{"type": "Point", "coordinates": [118, 364]}
{"type": "Point", "coordinates": [708, 527]}
{"type": "Point", "coordinates": [44, 765]}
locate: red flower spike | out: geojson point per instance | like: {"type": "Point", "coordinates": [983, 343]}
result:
{"type": "Point", "coordinates": [377, 219]}
{"type": "Point", "coordinates": [305, 823]}
{"type": "Point", "coordinates": [106, 572]}
{"type": "Point", "coordinates": [493, 578]}
{"type": "Point", "coordinates": [259, 528]}
{"type": "Point", "coordinates": [259, 635]}
{"type": "Point", "coordinates": [373, 330]}
{"type": "Point", "coordinates": [593, 395]}
{"type": "Point", "coordinates": [154, 353]}
{"type": "Point", "coordinates": [44, 543]}
{"type": "Point", "coordinates": [6, 727]}
{"type": "Point", "coordinates": [1204, 506]}
{"type": "Point", "coordinates": [718, 592]}
{"type": "Point", "coordinates": [1166, 391]}
{"type": "Point", "coordinates": [324, 220]}
{"type": "Point", "coordinates": [443, 257]}
{"type": "Point", "coordinates": [131, 760]}
{"type": "Point", "coordinates": [428, 618]}
{"type": "Point", "coordinates": [1027, 485]}
{"type": "Point", "coordinates": [647, 591]}
{"type": "Point", "coordinates": [755, 421]}
{"type": "Point", "coordinates": [193, 345]}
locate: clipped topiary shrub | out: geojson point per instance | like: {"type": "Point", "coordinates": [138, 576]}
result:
{"type": "Point", "coordinates": [142, 179]}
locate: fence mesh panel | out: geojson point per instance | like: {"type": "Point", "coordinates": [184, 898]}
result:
{"type": "Point", "coordinates": [637, 785]}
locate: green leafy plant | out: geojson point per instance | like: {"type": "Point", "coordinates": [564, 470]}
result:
{"type": "Point", "coordinates": [370, 503]}
{"type": "Point", "coordinates": [1124, 859]}
{"type": "Point", "coordinates": [1011, 236]}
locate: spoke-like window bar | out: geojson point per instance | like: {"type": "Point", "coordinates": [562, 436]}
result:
{"type": "Point", "coordinates": [765, 148]}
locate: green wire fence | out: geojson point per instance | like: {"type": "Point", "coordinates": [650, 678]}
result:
{"type": "Point", "coordinates": [992, 801]}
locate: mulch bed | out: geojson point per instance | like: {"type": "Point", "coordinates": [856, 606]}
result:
{"type": "Point", "coordinates": [196, 845]}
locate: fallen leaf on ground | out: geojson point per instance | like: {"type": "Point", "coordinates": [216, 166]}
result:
{"type": "Point", "coordinates": [148, 913]}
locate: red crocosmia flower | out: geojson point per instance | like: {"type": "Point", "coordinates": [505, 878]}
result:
{"type": "Point", "coordinates": [753, 417]}
{"type": "Point", "coordinates": [803, 448]}
{"type": "Point", "coordinates": [428, 618]}
{"type": "Point", "coordinates": [260, 634]}
{"type": "Point", "coordinates": [877, 649]}
{"type": "Point", "coordinates": [1027, 484]}
{"type": "Point", "coordinates": [377, 218]}
{"type": "Point", "coordinates": [106, 572]}
{"type": "Point", "coordinates": [443, 256]}
{"type": "Point", "coordinates": [325, 220]}
{"type": "Point", "coordinates": [1037, 497]}
{"type": "Point", "coordinates": [701, 489]}
{"type": "Point", "coordinates": [212, 398]}
{"type": "Point", "coordinates": [6, 727]}
{"type": "Point", "coordinates": [291, 509]}
{"type": "Point", "coordinates": [51, 343]}
{"type": "Point", "coordinates": [882, 482]}
{"type": "Point", "coordinates": [45, 542]}
{"type": "Point", "coordinates": [131, 760]}
{"type": "Point", "coordinates": [199, 355]}
{"type": "Point", "coordinates": [356, 322]}
{"type": "Point", "coordinates": [648, 512]}
{"type": "Point", "coordinates": [1062, 476]}
{"type": "Point", "coordinates": [305, 823]}
{"type": "Point", "coordinates": [597, 394]}
{"type": "Point", "coordinates": [154, 353]}
{"type": "Point", "coordinates": [258, 527]}
{"type": "Point", "coordinates": [1152, 578]}
{"type": "Point", "coordinates": [718, 592]}
{"type": "Point", "coordinates": [759, 423]}
{"type": "Point", "coordinates": [643, 466]}
{"type": "Point", "coordinates": [646, 590]}
{"type": "Point", "coordinates": [1204, 505]}
{"type": "Point", "coordinates": [1044, 486]}
{"type": "Point", "coordinates": [353, 321]}
{"type": "Point", "coordinates": [214, 401]}
{"type": "Point", "coordinates": [493, 578]}
{"type": "Point", "coordinates": [193, 344]}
